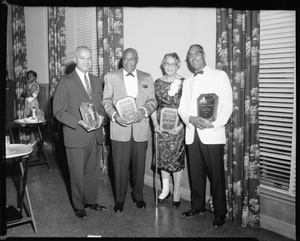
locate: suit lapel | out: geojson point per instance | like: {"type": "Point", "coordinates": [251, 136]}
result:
{"type": "Point", "coordinates": [140, 81]}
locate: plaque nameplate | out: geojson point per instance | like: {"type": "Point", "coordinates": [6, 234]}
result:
{"type": "Point", "coordinates": [168, 119]}
{"type": "Point", "coordinates": [126, 108]}
{"type": "Point", "coordinates": [89, 115]}
{"type": "Point", "coordinates": [207, 105]}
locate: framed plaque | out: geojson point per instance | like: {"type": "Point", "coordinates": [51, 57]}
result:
{"type": "Point", "coordinates": [89, 115]}
{"type": "Point", "coordinates": [207, 105]}
{"type": "Point", "coordinates": [126, 108]}
{"type": "Point", "coordinates": [168, 119]}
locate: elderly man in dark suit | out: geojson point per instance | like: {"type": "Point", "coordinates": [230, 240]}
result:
{"type": "Point", "coordinates": [129, 139]}
{"type": "Point", "coordinates": [82, 145]}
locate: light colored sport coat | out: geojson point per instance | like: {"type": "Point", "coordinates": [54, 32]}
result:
{"type": "Point", "coordinates": [114, 89]}
{"type": "Point", "coordinates": [212, 81]}
{"type": "Point", "coordinates": [69, 94]}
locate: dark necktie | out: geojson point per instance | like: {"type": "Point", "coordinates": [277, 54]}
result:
{"type": "Point", "coordinates": [130, 74]}
{"type": "Point", "coordinates": [88, 87]}
{"type": "Point", "coordinates": [200, 72]}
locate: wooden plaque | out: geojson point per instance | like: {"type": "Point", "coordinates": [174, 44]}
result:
{"type": "Point", "coordinates": [207, 105]}
{"type": "Point", "coordinates": [126, 108]}
{"type": "Point", "coordinates": [168, 119]}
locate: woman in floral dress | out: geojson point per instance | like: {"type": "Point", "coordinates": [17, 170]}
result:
{"type": "Point", "coordinates": [170, 144]}
{"type": "Point", "coordinates": [30, 94]}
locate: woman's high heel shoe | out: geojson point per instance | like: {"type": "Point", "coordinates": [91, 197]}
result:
{"type": "Point", "coordinates": [161, 200]}
{"type": "Point", "coordinates": [176, 204]}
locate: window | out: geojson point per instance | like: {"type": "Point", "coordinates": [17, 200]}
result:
{"type": "Point", "coordinates": [277, 101]}
{"type": "Point", "coordinates": [81, 30]}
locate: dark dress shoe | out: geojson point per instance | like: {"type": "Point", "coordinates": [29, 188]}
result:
{"type": "Point", "coordinates": [141, 204]}
{"type": "Point", "coordinates": [161, 200]}
{"type": "Point", "coordinates": [81, 214]}
{"type": "Point", "coordinates": [219, 222]}
{"type": "Point", "coordinates": [176, 204]}
{"type": "Point", "coordinates": [95, 206]}
{"type": "Point", "coordinates": [118, 208]}
{"type": "Point", "coordinates": [191, 213]}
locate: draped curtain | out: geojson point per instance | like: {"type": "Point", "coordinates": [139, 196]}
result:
{"type": "Point", "coordinates": [110, 48]}
{"type": "Point", "coordinates": [238, 55]}
{"type": "Point", "coordinates": [109, 38]}
{"type": "Point", "coordinates": [56, 45]}
{"type": "Point", "coordinates": [19, 55]}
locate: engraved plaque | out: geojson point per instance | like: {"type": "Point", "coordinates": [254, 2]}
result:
{"type": "Point", "coordinates": [89, 115]}
{"type": "Point", "coordinates": [168, 119]}
{"type": "Point", "coordinates": [207, 105]}
{"type": "Point", "coordinates": [126, 108]}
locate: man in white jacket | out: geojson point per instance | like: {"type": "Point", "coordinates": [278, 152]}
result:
{"type": "Point", "coordinates": [205, 138]}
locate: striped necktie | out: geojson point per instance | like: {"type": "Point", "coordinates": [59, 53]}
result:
{"type": "Point", "coordinates": [88, 87]}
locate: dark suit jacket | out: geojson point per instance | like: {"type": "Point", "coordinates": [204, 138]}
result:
{"type": "Point", "coordinates": [68, 96]}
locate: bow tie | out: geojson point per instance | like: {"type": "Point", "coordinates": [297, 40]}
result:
{"type": "Point", "coordinates": [130, 74]}
{"type": "Point", "coordinates": [200, 72]}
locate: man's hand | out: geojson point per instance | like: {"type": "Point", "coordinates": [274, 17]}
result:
{"type": "Point", "coordinates": [83, 125]}
{"type": "Point", "coordinates": [121, 121]}
{"type": "Point", "coordinates": [102, 119]}
{"type": "Point", "coordinates": [200, 123]}
{"type": "Point", "coordinates": [86, 127]}
{"type": "Point", "coordinates": [139, 115]}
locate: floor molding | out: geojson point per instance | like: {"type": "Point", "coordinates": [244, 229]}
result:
{"type": "Point", "coordinates": [277, 226]}
{"type": "Point", "coordinates": [185, 193]}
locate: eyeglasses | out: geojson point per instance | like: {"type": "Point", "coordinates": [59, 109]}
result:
{"type": "Point", "coordinates": [170, 65]}
{"type": "Point", "coordinates": [196, 54]}
{"type": "Point", "coordinates": [129, 60]}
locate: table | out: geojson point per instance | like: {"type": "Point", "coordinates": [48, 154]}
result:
{"type": "Point", "coordinates": [35, 125]}
{"type": "Point", "coordinates": [14, 215]}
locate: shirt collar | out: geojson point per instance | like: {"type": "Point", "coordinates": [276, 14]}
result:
{"type": "Point", "coordinates": [133, 72]}
{"type": "Point", "coordinates": [81, 75]}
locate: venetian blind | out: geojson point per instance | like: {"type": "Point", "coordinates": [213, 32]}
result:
{"type": "Point", "coordinates": [277, 101]}
{"type": "Point", "coordinates": [81, 30]}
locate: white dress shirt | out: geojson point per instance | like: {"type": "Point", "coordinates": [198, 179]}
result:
{"type": "Point", "coordinates": [131, 84]}
{"type": "Point", "coordinates": [81, 76]}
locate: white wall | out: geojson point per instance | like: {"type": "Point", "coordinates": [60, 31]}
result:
{"type": "Point", "coordinates": [37, 42]}
{"type": "Point", "coordinates": [155, 31]}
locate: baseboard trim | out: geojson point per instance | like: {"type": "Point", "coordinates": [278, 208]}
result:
{"type": "Point", "coordinates": [277, 226]}
{"type": "Point", "coordinates": [184, 193]}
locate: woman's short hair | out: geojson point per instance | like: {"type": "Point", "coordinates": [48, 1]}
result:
{"type": "Point", "coordinates": [173, 55]}
{"type": "Point", "coordinates": [32, 72]}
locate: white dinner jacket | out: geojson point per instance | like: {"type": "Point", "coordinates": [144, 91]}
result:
{"type": "Point", "coordinates": [211, 81]}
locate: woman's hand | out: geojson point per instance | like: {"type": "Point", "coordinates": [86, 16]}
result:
{"type": "Point", "coordinates": [157, 129]}
{"type": "Point", "coordinates": [176, 130]}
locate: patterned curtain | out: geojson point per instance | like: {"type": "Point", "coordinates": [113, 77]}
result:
{"type": "Point", "coordinates": [57, 45]}
{"type": "Point", "coordinates": [238, 55]}
{"type": "Point", "coordinates": [19, 55]}
{"type": "Point", "coordinates": [57, 62]}
{"type": "Point", "coordinates": [110, 48]}
{"type": "Point", "coordinates": [110, 38]}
